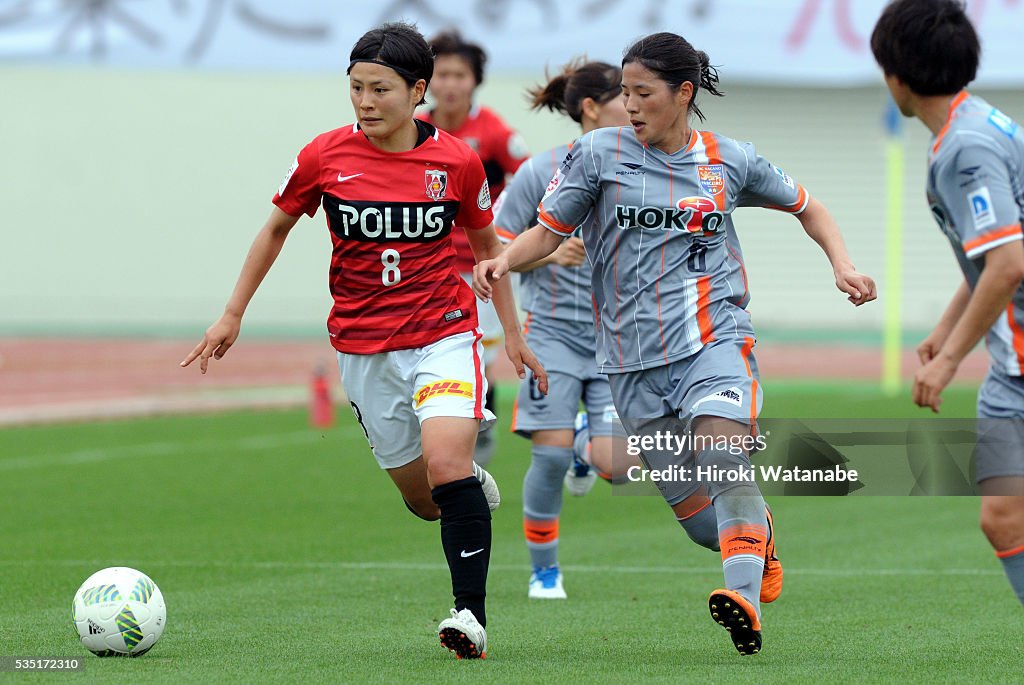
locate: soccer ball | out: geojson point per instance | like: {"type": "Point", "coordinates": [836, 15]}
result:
{"type": "Point", "coordinates": [119, 612]}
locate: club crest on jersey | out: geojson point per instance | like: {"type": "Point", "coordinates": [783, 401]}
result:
{"type": "Point", "coordinates": [711, 177]}
{"type": "Point", "coordinates": [437, 183]}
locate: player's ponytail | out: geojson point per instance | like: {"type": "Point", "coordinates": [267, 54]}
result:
{"type": "Point", "coordinates": [708, 75]}
{"type": "Point", "coordinates": [673, 60]}
{"type": "Point", "coordinates": [579, 80]}
{"type": "Point", "coordinates": [551, 95]}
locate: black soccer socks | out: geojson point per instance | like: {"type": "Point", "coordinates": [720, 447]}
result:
{"type": "Point", "coordinates": [466, 539]}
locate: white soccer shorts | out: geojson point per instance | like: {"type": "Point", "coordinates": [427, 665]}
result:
{"type": "Point", "coordinates": [392, 393]}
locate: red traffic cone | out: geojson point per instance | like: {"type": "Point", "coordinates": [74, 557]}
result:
{"type": "Point", "coordinates": [321, 408]}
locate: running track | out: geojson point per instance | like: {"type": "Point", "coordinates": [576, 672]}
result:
{"type": "Point", "coordinates": [46, 380]}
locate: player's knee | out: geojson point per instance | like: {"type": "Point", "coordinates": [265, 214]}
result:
{"type": "Point", "coordinates": [601, 455]}
{"type": "Point", "coordinates": [697, 517]}
{"type": "Point", "coordinates": [441, 470]}
{"type": "Point", "coordinates": [702, 531]}
{"type": "Point", "coordinates": [551, 460]}
{"type": "Point", "coordinates": [1002, 521]}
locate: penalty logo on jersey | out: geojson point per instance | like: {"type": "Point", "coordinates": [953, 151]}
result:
{"type": "Point", "coordinates": [712, 178]}
{"type": "Point", "coordinates": [437, 183]}
{"type": "Point", "coordinates": [445, 387]}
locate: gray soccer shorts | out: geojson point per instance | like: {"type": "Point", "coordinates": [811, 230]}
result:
{"type": "Point", "coordinates": [566, 350]}
{"type": "Point", "coordinates": [1000, 448]}
{"type": "Point", "coordinates": [719, 380]}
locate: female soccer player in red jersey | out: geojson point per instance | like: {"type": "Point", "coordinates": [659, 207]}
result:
{"type": "Point", "coordinates": [404, 322]}
{"type": "Point", "coordinates": [674, 334]}
{"type": "Point", "coordinates": [458, 72]}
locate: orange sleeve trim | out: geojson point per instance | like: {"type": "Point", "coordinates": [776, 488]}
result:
{"type": "Point", "coordinates": [802, 198]}
{"type": "Point", "coordinates": [998, 234]}
{"type": "Point", "coordinates": [504, 233]}
{"type": "Point", "coordinates": [553, 223]}
{"type": "Point", "coordinates": [1010, 552]}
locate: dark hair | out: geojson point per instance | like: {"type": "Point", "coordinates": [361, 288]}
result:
{"type": "Point", "coordinates": [675, 61]}
{"type": "Point", "coordinates": [930, 45]}
{"type": "Point", "coordinates": [399, 46]}
{"type": "Point", "coordinates": [451, 43]}
{"type": "Point", "coordinates": [578, 81]}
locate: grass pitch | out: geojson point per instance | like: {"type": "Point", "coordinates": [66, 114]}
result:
{"type": "Point", "coordinates": [285, 555]}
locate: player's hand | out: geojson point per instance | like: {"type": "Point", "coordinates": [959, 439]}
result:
{"type": "Point", "coordinates": [218, 340]}
{"type": "Point", "coordinates": [486, 273]}
{"type": "Point", "coordinates": [520, 354]}
{"type": "Point", "coordinates": [570, 253]}
{"type": "Point", "coordinates": [930, 346]}
{"type": "Point", "coordinates": [859, 287]}
{"type": "Point", "coordinates": [931, 380]}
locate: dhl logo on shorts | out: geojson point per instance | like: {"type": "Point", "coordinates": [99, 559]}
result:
{"type": "Point", "coordinates": [445, 387]}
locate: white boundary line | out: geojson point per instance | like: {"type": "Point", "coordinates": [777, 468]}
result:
{"type": "Point", "coordinates": [158, 449]}
{"type": "Point", "coordinates": [516, 568]}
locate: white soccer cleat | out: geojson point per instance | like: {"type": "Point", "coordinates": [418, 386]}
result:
{"type": "Point", "coordinates": [546, 583]}
{"type": "Point", "coordinates": [489, 486]}
{"type": "Point", "coordinates": [581, 476]}
{"type": "Point", "coordinates": [464, 635]}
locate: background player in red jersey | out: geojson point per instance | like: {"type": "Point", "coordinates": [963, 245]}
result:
{"type": "Point", "coordinates": [458, 72]}
{"type": "Point", "coordinates": [404, 322]}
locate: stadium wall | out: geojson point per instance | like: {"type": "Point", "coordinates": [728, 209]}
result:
{"type": "Point", "coordinates": [131, 198]}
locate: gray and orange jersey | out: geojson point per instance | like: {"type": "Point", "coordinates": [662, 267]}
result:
{"type": "Point", "coordinates": [976, 193]}
{"type": "Point", "coordinates": [551, 291]}
{"type": "Point", "coordinates": [668, 269]}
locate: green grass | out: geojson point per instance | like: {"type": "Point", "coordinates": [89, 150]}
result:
{"type": "Point", "coordinates": [285, 555]}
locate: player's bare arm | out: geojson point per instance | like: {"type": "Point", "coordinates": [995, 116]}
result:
{"type": "Point", "coordinates": [530, 246]}
{"type": "Point", "coordinates": [931, 345]}
{"type": "Point", "coordinates": [265, 247]}
{"type": "Point", "coordinates": [822, 228]}
{"type": "Point", "coordinates": [571, 253]}
{"type": "Point", "coordinates": [487, 247]}
{"type": "Point", "coordinates": [1002, 275]}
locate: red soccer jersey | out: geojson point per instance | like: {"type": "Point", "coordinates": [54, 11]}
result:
{"type": "Point", "coordinates": [390, 214]}
{"type": "Point", "coordinates": [501, 150]}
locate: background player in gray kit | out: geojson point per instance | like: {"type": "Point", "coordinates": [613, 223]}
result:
{"type": "Point", "coordinates": [555, 291]}
{"type": "Point", "coordinates": [929, 52]}
{"type": "Point", "coordinates": [670, 289]}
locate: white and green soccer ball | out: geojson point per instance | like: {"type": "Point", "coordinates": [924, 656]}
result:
{"type": "Point", "coordinates": [119, 612]}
